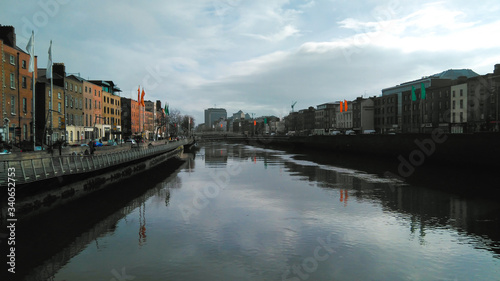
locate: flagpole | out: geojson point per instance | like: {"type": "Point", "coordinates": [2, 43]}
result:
{"type": "Point", "coordinates": [33, 93]}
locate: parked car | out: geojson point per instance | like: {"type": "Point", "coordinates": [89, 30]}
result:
{"type": "Point", "coordinates": [131, 141]}
{"type": "Point", "coordinates": [350, 133]}
{"type": "Point", "coordinates": [335, 133]}
{"type": "Point", "coordinates": [97, 143]}
{"type": "Point", "coordinates": [369, 132]}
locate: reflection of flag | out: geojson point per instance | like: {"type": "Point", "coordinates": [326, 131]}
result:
{"type": "Point", "coordinates": [413, 96]}
{"type": "Point", "coordinates": [142, 97]}
{"type": "Point", "coordinates": [422, 90]}
{"type": "Point", "coordinates": [49, 63]}
{"type": "Point", "coordinates": [31, 51]}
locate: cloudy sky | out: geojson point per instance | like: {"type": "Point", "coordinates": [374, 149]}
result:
{"type": "Point", "coordinates": [259, 55]}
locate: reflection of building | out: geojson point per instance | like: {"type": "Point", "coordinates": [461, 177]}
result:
{"type": "Point", "coordinates": [214, 114]}
{"type": "Point", "coordinates": [215, 156]}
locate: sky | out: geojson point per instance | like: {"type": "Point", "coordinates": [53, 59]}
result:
{"type": "Point", "coordinates": [258, 56]}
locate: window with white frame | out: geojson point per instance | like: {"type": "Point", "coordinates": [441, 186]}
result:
{"type": "Point", "coordinates": [12, 81]}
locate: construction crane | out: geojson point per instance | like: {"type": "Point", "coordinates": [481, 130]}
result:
{"type": "Point", "coordinates": [293, 105]}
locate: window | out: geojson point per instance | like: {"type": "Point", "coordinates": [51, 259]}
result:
{"type": "Point", "coordinates": [85, 89]}
{"type": "Point", "coordinates": [461, 104]}
{"type": "Point", "coordinates": [60, 121]}
{"type": "Point", "coordinates": [71, 136]}
{"type": "Point", "coordinates": [24, 64]}
{"type": "Point", "coordinates": [66, 86]}
{"type": "Point", "coordinates": [95, 93]}
{"type": "Point", "coordinates": [453, 104]}
{"type": "Point", "coordinates": [25, 132]}
{"type": "Point", "coordinates": [71, 102]}
{"type": "Point", "coordinates": [86, 120]}
{"type": "Point", "coordinates": [81, 103]}
{"type": "Point", "coordinates": [59, 95]}
{"type": "Point", "coordinates": [453, 117]}
{"type": "Point", "coordinates": [80, 89]}
{"type": "Point", "coordinates": [90, 120]}
{"type": "Point", "coordinates": [453, 93]}
{"type": "Point", "coordinates": [25, 106]}
{"type": "Point", "coordinates": [66, 101]}
{"type": "Point", "coordinates": [95, 104]}
{"type": "Point", "coordinates": [461, 117]}
{"type": "Point", "coordinates": [13, 105]}
{"type": "Point", "coordinates": [12, 60]}
{"type": "Point", "coordinates": [70, 86]}
{"type": "Point", "coordinates": [12, 81]}
{"type": "Point", "coordinates": [461, 92]}
{"type": "Point", "coordinates": [59, 107]}
{"type": "Point", "coordinates": [86, 103]}
{"type": "Point", "coordinates": [24, 84]}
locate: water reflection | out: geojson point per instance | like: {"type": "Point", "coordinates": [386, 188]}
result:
{"type": "Point", "coordinates": [286, 216]}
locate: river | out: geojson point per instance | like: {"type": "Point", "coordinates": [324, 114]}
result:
{"type": "Point", "coordinates": [238, 212]}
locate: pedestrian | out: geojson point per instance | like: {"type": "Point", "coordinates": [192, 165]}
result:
{"type": "Point", "coordinates": [60, 148]}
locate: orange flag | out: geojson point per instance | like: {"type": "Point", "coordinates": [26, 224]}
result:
{"type": "Point", "coordinates": [341, 106]}
{"type": "Point", "coordinates": [142, 97]}
{"type": "Point", "coordinates": [345, 105]}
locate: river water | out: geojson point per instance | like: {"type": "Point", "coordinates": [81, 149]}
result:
{"type": "Point", "coordinates": [237, 212]}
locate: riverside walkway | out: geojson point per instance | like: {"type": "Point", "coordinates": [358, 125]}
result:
{"type": "Point", "coordinates": [36, 166]}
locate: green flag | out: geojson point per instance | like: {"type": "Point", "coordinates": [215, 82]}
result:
{"type": "Point", "coordinates": [422, 90]}
{"type": "Point", "coordinates": [413, 96]}
{"type": "Point", "coordinates": [166, 109]}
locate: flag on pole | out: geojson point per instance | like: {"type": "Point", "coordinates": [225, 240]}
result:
{"type": "Point", "coordinates": [49, 63]}
{"type": "Point", "coordinates": [139, 94]}
{"type": "Point", "coordinates": [341, 106]}
{"type": "Point", "coordinates": [345, 105]}
{"type": "Point", "coordinates": [142, 97]}
{"type": "Point", "coordinates": [31, 51]}
{"type": "Point", "coordinates": [422, 90]}
{"type": "Point", "coordinates": [166, 109]}
{"type": "Point", "coordinates": [413, 96]}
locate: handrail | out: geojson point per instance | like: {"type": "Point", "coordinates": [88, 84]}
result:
{"type": "Point", "coordinates": [31, 170]}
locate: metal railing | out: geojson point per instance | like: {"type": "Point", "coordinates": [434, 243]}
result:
{"type": "Point", "coordinates": [30, 170]}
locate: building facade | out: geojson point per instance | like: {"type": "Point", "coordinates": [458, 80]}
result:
{"type": "Point", "coordinates": [17, 89]}
{"type": "Point", "coordinates": [74, 114]}
{"type": "Point", "coordinates": [213, 115]}
{"type": "Point", "coordinates": [363, 111]}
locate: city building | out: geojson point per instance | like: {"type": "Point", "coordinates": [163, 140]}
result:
{"type": "Point", "coordinates": [213, 115]}
{"type": "Point", "coordinates": [326, 117]}
{"type": "Point", "coordinates": [436, 81]}
{"type": "Point", "coordinates": [482, 102]}
{"type": "Point", "coordinates": [149, 119]}
{"type": "Point", "coordinates": [111, 109]}
{"type": "Point", "coordinates": [92, 110]}
{"type": "Point", "coordinates": [49, 109]}
{"type": "Point", "coordinates": [73, 103]}
{"type": "Point", "coordinates": [344, 119]}
{"type": "Point", "coordinates": [386, 113]}
{"type": "Point", "coordinates": [363, 112]}
{"type": "Point", "coordinates": [17, 89]}
{"type": "Point", "coordinates": [131, 112]}
{"type": "Point", "coordinates": [459, 108]}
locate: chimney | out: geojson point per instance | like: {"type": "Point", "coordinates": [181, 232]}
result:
{"type": "Point", "coordinates": [497, 69]}
{"type": "Point", "coordinates": [58, 68]}
{"type": "Point", "coordinates": [8, 35]}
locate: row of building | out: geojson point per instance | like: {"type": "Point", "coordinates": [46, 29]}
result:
{"type": "Point", "coordinates": [76, 110]}
{"type": "Point", "coordinates": [455, 100]}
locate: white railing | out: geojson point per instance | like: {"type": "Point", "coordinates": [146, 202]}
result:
{"type": "Point", "coordinates": [30, 170]}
